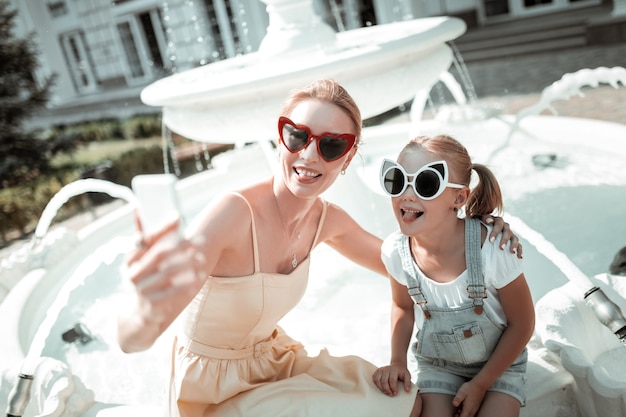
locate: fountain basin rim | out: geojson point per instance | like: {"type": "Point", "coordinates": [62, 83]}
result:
{"type": "Point", "coordinates": [376, 90]}
{"type": "Point", "coordinates": [15, 307]}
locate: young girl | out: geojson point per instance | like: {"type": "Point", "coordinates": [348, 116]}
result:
{"type": "Point", "coordinates": [469, 301]}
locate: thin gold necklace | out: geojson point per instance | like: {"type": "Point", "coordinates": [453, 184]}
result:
{"type": "Point", "coordinates": [294, 260]}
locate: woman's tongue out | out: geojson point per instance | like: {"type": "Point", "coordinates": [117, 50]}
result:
{"type": "Point", "coordinates": [306, 175]}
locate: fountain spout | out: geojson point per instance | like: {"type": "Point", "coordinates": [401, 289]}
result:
{"type": "Point", "coordinates": [73, 189]}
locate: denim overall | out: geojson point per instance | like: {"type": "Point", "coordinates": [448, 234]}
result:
{"type": "Point", "coordinates": [459, 339]}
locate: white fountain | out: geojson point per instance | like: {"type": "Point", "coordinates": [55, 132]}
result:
{"type": "Point", "coordinates": [382, 66]}
{"type": "Point", "coordinates": [237, 101]}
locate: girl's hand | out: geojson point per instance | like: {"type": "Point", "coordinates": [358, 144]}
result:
{"type": "Point", "coordinates": [468, 399]}
{"type": "Point", "coordinates": [500, 226]}
{"type": "Point", "coordinates": [387, 377]}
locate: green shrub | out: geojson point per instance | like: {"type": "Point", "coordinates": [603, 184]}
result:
{"type": "Point", "coordinates": [141, 127]}
{"type": "Point", "coordinates": [94, 131]}
{"type": "Point", "coordinates": [135, 162]}
{"type": "Point", "coordinates": [14, 215]}
{"type": "Point", "coordinates": [22, 205]}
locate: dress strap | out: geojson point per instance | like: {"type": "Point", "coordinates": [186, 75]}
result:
{"type": "Point", "coordinates": [321, 223]}
{"type": "Point", "coordinates": [255, 246]}
{"type": "Point", "coordinates": [476, 283]}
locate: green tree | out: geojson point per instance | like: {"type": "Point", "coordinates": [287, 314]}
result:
{"type": "Point", "coordinates": [22, 154]}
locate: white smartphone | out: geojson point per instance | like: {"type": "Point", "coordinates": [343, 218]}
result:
{"type": "Point", "coordinates": [157, 201]}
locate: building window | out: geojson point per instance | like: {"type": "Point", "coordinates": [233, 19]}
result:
{"type": "Point", "coordinates": [496, 7]}
{"type": "Point", "coordinates": [57, 8]}
{"type": "Point", "coordinates": [151, 26]}
{"type": "Point", "coordinates": [531, 3]}
{"type": "Point", "coordinates": [227, 28]}
{"type": "Point", "coordinates": [78, 61]}
{"type": "Point", "coordinates": [214, 30]}
{"type": "Point", "coordinates": [131, 50]}
{"type": "Point", "coordinates": [344, 15]}
{"type": "Point", "coordinates": [239, 48]}
{"type": "Point", "coordinates": [143, 41]}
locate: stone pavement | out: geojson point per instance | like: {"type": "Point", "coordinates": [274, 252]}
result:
{"type": "Point", "coordinates": [517, 82]}
{"type": "Point", "coordinates": [601, 103]}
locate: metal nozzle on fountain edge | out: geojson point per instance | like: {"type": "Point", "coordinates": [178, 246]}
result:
{"type": "Point", "coordinates": [607, 312]}
{"type": "Point", "coordinates": [19, 396]}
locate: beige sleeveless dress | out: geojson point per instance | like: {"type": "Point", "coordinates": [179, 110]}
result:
{"type": "Point", "coordinates": [232, 359]}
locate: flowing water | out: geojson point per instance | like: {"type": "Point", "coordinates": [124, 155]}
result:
{"type": "Point", "coordinates": [62, 298]}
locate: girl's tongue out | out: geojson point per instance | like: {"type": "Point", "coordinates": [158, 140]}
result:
{"type": "Point", "coordinates": [410, 215]}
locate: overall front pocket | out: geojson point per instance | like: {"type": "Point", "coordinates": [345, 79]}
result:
{"type": "Point", "coordinates": [465, 345]}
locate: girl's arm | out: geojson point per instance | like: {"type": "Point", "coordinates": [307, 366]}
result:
{"type": "Point", "coordinates": [402, 320]}
{"type": "Point", "coordinates": [518, 308]}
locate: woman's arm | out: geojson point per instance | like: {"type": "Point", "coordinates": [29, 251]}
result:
{"type": "Point", "coordinates": [402, 320]}
{"type": "Point", "coordinates": [153, 269]}
{"type": "Point", "coordinates": [167, 277]}
{"type": "Point", "coordinates": [518, 308]}
{"type": "Point", "coordinates": [346, 236]}
{"type": "Point", "coordinates": [342, 233]}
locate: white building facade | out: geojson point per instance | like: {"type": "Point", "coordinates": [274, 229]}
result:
{"type": "Point", "coordinates": [106, 51]}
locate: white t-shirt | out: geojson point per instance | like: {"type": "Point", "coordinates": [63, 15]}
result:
{"type": "Point", "coordinates": [500, 268]}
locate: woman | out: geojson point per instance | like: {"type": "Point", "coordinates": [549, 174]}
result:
{"type": "Point", "coordinates": [249, 252]}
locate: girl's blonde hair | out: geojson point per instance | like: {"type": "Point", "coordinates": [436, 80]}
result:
{"type": "Point", "coordinates": [486, 197]}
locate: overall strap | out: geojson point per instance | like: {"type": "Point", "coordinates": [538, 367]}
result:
{"type": "Point", "coordinates": [476, 284]}
{"type": "Point", "coordinates": [413, 284]}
